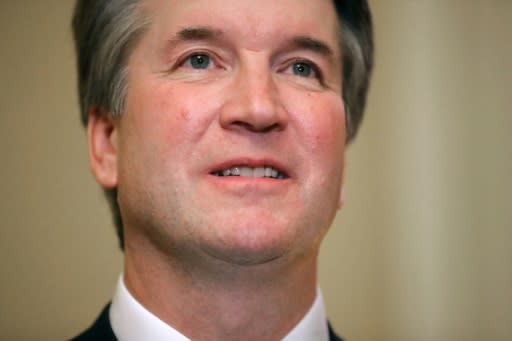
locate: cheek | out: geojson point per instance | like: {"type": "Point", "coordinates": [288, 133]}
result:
{"type": "Point", "coordinates": [186, 111]}
{"type": "Point", "coordinates": [322, 121]}
{"type": "Point", "coordinates": [322, 140]}
{"type": "Point", "coordinates": [171, 116]}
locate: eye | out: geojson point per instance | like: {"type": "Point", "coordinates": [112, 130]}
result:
{"type": "Point", "coordinates": [302, 69]}
{"type": "Point", "coordinates": [198, 61]}
{"type": "Point", "coordinates": [305, 69]}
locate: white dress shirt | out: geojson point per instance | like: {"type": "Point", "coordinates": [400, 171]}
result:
{"type": "Point", "coordinates": [132, 322]}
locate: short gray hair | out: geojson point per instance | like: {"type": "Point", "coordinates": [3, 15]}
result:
{"type": "Point", "coordinates": [106, 31]}
{"type": "Point", "coordinates": [356, 33]}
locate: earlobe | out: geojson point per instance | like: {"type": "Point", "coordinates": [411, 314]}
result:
{"type": "Point", "coordinates": [341, 200]}
{"type": "Point", "coordinates": [102, 144]}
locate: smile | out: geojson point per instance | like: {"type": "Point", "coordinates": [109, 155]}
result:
{"type": "Point", "coordinates": [254, 172]}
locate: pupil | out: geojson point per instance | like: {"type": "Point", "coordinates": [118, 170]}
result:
{"type": "Point", "coordinates": [200, 61]}
{"type": "Point", "coordinates": [301, 69]}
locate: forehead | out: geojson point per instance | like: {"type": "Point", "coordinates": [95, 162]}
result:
{"type": "Point", "coordinates": [255, 24]}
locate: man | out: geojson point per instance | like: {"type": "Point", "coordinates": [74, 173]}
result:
{"type": "Point", "coordinates": [218, 130]}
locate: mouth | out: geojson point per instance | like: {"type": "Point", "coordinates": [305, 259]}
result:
{"type": "Point", "coordinates": [252, 172]}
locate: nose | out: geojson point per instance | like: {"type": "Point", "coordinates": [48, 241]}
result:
{"type": "Point", "coordinates": [253, 102]}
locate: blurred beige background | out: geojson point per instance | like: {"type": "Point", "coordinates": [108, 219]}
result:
{"type": "Point", "coordinates": [422, 249]}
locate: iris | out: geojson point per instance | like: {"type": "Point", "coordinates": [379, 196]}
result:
{"type": "Point", "coordinates": [199, 61]}
{"type": "Point", "coordinates": [302, 69]}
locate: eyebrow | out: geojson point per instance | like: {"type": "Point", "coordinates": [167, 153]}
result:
{"type": "Point", "coordinates": [198, 33]}
{"type": "Point", "coordinates": [195, 33]}
{"type": "Point", "coordinates": [312, 44]}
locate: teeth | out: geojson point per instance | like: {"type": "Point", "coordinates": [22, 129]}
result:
{"type": "Point", "coordinates": [268, 172]}
{"type": "Point", "coordinates": [246, 171]}
{"type": "Point", "coordinates": [257, 172]}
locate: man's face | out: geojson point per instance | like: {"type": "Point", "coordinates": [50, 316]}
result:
{"type": "Point", "coordinates": [232, 140]}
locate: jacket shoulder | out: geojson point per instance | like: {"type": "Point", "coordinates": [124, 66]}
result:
{"type": "Point", "coordinates": [101, 330]}
{"type": "Point", "coordinates": [332, 334]}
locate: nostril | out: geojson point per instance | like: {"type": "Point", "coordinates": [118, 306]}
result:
{"type": "Point", "coordinates": [258, 129]}
{"type": "Point", "coordinates": [273, 127]}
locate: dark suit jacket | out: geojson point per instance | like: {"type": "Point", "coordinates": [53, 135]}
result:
{"type": "Point", "coordinates": [102, 331]}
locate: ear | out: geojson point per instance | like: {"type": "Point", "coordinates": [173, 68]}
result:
{"type": "Point", "coordinates": [102, 143]}
{"type": "Point", "coordinates": [341, 199]}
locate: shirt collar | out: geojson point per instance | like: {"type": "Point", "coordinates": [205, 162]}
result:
{"type": "Point", "coordinates": [132, 322]}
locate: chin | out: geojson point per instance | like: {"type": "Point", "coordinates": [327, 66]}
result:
{"type": "Point", "coordinates": [251, 248]}
{"type": "Point", "coordinates": [247, 256]}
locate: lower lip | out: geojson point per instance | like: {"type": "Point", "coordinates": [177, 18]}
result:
{"type": "Point", "coordinates": [246, 182]}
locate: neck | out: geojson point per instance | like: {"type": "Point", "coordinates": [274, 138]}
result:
{"type": "Point", "coordinates": [215, 300]}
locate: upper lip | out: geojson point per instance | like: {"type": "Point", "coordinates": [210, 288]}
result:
{"type": "Point", "coordinates": [250, 162]}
